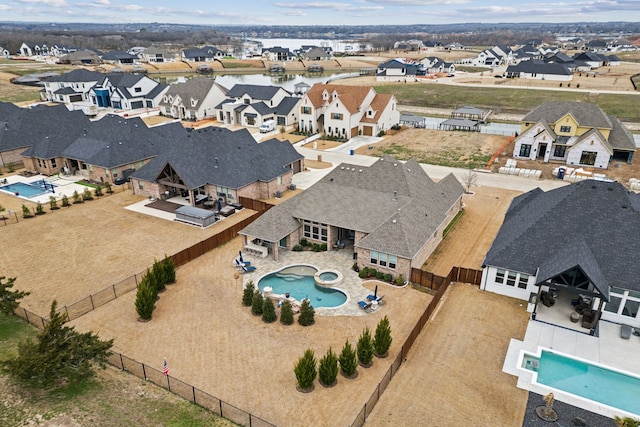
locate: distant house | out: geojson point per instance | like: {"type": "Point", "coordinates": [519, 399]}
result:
{"type": "Point", "coordinates": [410, 215]}
{"type": "Point", "coordinates": [411, 120]}
{"type": "Point", "coordinates": [81, 57]}
{"type": "Point", "coordinates": [33, 49]}
{"type": "Point", "coordinates": [465, 118]}
{"type": "Point", "coordinates": [154, 55]}
{"type": "Point", "coordinates": [127, 92]}
{"type": "Point", "coordinates": [576, 133]}
{"type": "Point", "coordinates": [317, 54]}
{"type": "Point", "coordinates": [277, 53]}
{"type": "Point", "coordinates": [71, 87]}
{"type": "Point", "coordinates": [435, 65]}
{"type": "Point", "coordinates": [539, 70]}
{"type": "Point", "coordinates": [581, 239]}
{"type": "Point", "coordinates": [597, 45]}
{"type": "Point", "coordinates": [398, 70]}
{"type": "Point", "coordinates": [218, 164]}
{"type": "Point", "coordinates": [202, 54]}
{"type": "Point", "coordinates": [621, 45]}
{"type": "Point", "coordinates": [409, 45]}
{"type": "Point", "coordinates": [252, 105]}
{"type": "Point", "coordinates": [4, 52]}
{"type": "Point", "coordinates": [498, 55]}
{"type": "Point", "coordinates": [347, 111]}
{"type": "Point", "coordinates": [593, 59]}
{"type": "Point", "coordinates": [195, 99]}
{"type": "Point", "coordinates": [119, 57]}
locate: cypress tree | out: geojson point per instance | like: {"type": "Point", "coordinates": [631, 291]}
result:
{"type": "Point", "coordinates": [286, 313]}
{"type": "Point", "coordinates": [306, 313]}
{"type": "Point", "coordinates": [169, 268]}
{"type": "Point", "coordinates": [257, 303]}
{"type": "Point", "coordinates": [269, 311]}
{"type": "Point", "coordinates": [382, 337]}
{"type": "Point", "coordinates": [364, 348]}
{"type": "Point", "coordinates": [306, 371]}
{"type": "Point", "coordinates": [145, 300]}
{"type": "Point", "coordinates": [348, 360]}
{"type": "Point", "coordinates": [247, 294]}
{"type": "Point", "coordinates": [328, 370]}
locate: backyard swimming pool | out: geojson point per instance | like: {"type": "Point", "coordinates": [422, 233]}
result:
{"type": "Point", "coordinates": [25, 190]}
{"type": "Point", "coordinates": [298, 281]}
{"type": "Point", "coordinates": [587, 380]}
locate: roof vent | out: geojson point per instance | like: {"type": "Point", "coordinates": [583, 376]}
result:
{"type": "Point", "coordinates": [625, 207]}
{"type": "Point", "coordinates": [341, 167]}
{"type": "Point", "coordinates": [408, 170]}
{"type": "Point", "coordinates": [395, 164]}
{"type": "Point", "coordinates": [594, 186]}
{"type": "Point", "coordinates": [610, 188]}
{"type": "Point", "coordinates": [119, 142]}
{"type": "Point", "coordinates": [331, 179]}
{"type": "Point", "coordinates": [360, 170]}
{"type": "Point", "coordinates": [394, 221]}
{"type": "Point", "coordinates": [216, 165]}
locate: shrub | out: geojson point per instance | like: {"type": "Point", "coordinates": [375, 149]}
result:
{"type": "Point", "coordinates": [247, 294]}
{"type": "Point", "coordinates": [77, 198]}
{"type": "Point", "coordinates": [388, 277]}
{"type": "Point", "coordinates": [305, 370]}
{"type": "Point", "coordinates": [381, 133]}
{"type": "Point", "coordinates": [364, 273]}
{"type": "Point", "coordinates": [315, 247]}
{"type": "Point", "coordinates": [98, 191]}
{"type": "Point", "coordinates": [11, 167]}
{"type": "Point", "coordinates": [39, 209]}
{"type": "Point", "coordinates": [323, 247]}
{"type": "Point", "coordinates": [256, 303]}
{"type": "Point", "coordinates": [382, 337]}
{"type": "Point", "coordinates": [348, 360]}
{"type": "Point", "coordinates": [169, 268]}
{"type": "Point", "coordinates": [26, 212]}
{"type": "Point", "coordinates": [364, 348]}
{"type": "Point", "coordinates": [107, 187]}
{"type": "Point", "coordinates": [53, 203]}
{"type": "Point", "coordinates": [65, 201]}
{"type": "Point", "coordinates": [306, 313]}
{"type": "Point", "coordinates": [298, 248]}
{"type": "Point", "coordinates": [354, 267]}
{"type": "Point", "coordinates": [400, 280]}
{"type": "Point", "coordinates": [286, 313]}
{"type": "Point", "coordinates": [372, 272]}
{"type": "Point", "coordinates": [268, 311]}
{"type": "Point", "coordinates": [86, 194]}
{"type": "Point", "coordinates": [379, 275]}
{"type": "Point", "coordinates": [304, 242]}
{"type": "Point", "coordinates": [396, 127]}
{"type": "Point", "coordinates": [145, 300]}
{"type": "Point", "coordinates": [328, 369]}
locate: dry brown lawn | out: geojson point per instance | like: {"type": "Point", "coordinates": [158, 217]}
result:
{"type": "Point", "coordinates": [453, 374]}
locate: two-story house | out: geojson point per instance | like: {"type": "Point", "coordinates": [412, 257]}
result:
{"type": "Point", "coordinates": [347, 111]}
{"type": "Point", "coordinates": [251, 105]}
{"type": "Point", "coordinates": [277, 53]}
{"type": "Point", "coordinates": [71, 87]}
{"type": "Point", "coordinates": [397, 70]}
{"type": "Point", "coordinates": [194, 99]}
{"type": "Point", "coordinates": [202, 54]}
{"type": "Point", "coordinates": [575, 133]}
{"type": "Point", "coordinates": [127, 92]}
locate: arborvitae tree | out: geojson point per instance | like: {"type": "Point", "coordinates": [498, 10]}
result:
{"type": "Point", "coordinates": [98, 191]}
{"type": "Point", "coordinates": [382, 337]}
{"type": "Point", "coordinates": [26, 212]}
{"type": "Point", "coordinates": [58, 354]}
{"type": "Point", "coordinates": [306, 313]}
{"type": "Point", "coordinates": [169, 269]}
{"type": "Point", "coordinates": [286, 313]}
{"type": "Point", "coordinates": [269, 311]}
{"type": "Point", "coordinates": [9, 300]}
{"type": "Point", "coordinates": [257, 302]}
{"type": "Point", "coordinates": [365, 348]}
{"type": "Point", "coordinates": [40, 209]}
{"type": "Point", "coordinates": [86, 194]}
{"type": "Point", "coordinates": [157, 276]}
{"type": "Point", "coordinates": [53, 203]}
{"type": "Point", "coordinates": [107, 186]}
{"type": "Point", "coordinates": [348, 360]}
{"type": "Point", "coordinates": [306, 370]}
{"type": "Point", "coordinates": [65, 201]}
{"type": "Point", "coordinates": [328, 369]}
{"type": "Point", "coordinates": [247, 294]}
{"type": "Point", "coordinates": [77, 198]}
{"type": "Point", "coordinates": [146, 299]}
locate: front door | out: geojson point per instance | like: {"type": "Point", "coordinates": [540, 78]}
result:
{"type": "Point", "coordinates": [542, 150]}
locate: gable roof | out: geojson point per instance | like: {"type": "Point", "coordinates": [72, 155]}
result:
{"type": "Point", "coordinates": [77, 75]}
{"type": "Point", "coordinates": [351, 96]}
{"type": "Point", "coordinates": [585, 113]}
{"type": "Point", "coordinates": [409, 205]}
{"type": "Point", "coordinates": [196, 88]}
{"type": "Point", "coordinates": [594, 217]}
{"type": "Point", "coordinates": [256, 92]}
{"type": "Point", "coordinates": [535, 66]}
{"type": "Point", "coordinates": [118, 55]}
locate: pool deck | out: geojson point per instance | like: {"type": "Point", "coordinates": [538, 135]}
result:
{"type": "Point", "coordinates": [341, 260]}
{"type": "Point", "coordinates": [607, 349]}
{"type": "Point", "coordinates": [65, 186]}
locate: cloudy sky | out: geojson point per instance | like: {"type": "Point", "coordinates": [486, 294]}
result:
{"type": "Point", "coordinates": [310, 12]}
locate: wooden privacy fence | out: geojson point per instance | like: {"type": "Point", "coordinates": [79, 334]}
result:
{"type": "Point", "coordinates": [457, 274]}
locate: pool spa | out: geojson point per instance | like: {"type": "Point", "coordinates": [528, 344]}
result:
{"type": "Point", "coordinates": [298, 282]}
{"type": "Point", "coordinates": [580, 378]}
{"type": "Point", "coordinates": [29, 191]}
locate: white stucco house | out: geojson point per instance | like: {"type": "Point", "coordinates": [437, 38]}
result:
{"type": "Point", "coordinates": [574, 133]}
{"type": "Point", "coordinates": [578, 242]}
{"type": "Point", "coordinates": [347, 111]}
{"type": "Point", "coordinates": [194, 99]}
{"type": "Point", "coordinates": [127, 92]}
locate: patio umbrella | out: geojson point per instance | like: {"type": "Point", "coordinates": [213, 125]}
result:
{"type": "Point", "coordinates": [240, 258]}
{"type": "Point", "coordinates": [375, 291]}
{"type": "Point", "coordinates": [219, 205]}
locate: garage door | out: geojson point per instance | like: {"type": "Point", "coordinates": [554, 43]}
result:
{"type": "Point", "coordinates": [75, 98]}
{"type": "Point", "coordinates": [367, 130]}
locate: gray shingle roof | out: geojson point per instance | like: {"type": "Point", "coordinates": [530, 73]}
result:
{"type": "Point", "coordinates": [586, 113]}
{"type": "Point", "coordinates": [196, 88]}
{"type": "Point", "coordinates": [77, 75]}
{"type": "Point", "coordinates": [256, 92]}
{"type": "Point", "coordinates": [287, 105]}
{"type": "Point", "coordinates": [539, 67]}
{"type": "Point", "coordinates": [599, 220]}
{"type": "Point", "coordinates": [8, 109]}
{"type": "Point", "coordinates": [407, 206]}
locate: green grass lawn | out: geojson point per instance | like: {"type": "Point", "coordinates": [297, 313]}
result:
{"type": "Point", "coordinates": [623, 106]}
{"type": "Point", "coordinates": [113, 399]}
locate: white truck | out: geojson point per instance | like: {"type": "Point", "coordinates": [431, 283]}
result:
{"type": "Point", "coordinates": [267, 126]}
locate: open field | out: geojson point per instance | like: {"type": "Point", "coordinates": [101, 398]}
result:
{"type": "Point", "coordinates": [453, 375]}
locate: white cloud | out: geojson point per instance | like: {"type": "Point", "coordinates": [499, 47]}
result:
{"type": "Point", "coordinates": [132, 7]}
{"type": "Point", "coordinates": [340, 7]}
{"type": "Point", "coordinates": [55, 3]}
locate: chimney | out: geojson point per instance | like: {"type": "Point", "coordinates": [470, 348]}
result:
{"type": "Point", "coordinates": [216, 165]}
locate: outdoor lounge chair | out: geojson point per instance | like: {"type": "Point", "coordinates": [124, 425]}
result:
{"type": "Point", "coordinates": [366, 306]}
{"type": "Point", "coordinates": [375, 298]}
{"type": "Point", "coordinates": [238, 263]}
{"type": "Point", "coordinates": [248, 268]}
{"type": "Point", "coordinates": [625, 331]}
{"type": "Point", "coordinates": [589, 319]}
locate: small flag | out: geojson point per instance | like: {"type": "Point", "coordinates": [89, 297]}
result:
{"type": "Point", "coordinates": [165, 368]}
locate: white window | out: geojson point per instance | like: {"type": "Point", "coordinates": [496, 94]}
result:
{"type": "Point", "coordinates": [523, 280]}
{"type": "Point", "coordinates": [500, 276]}
{"type": "Point", "coordinates": [374, 257]}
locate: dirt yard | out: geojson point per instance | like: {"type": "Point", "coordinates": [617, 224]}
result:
{"type": "Point", "coordinates": [453, 374]}
{"type": "Point", "coordinates": [457, 149]}
{"type": "Point", "coordinates": [470, 239]}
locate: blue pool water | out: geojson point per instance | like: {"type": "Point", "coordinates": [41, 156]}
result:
{"type": "Point", "coordinates": [590, 381]}
{"type": "Point", "coordinates": [28, 190]}
{"type": "Point", "coordinates": [299, 283]}
{"type": "Point", "coordinates": [328, 276]}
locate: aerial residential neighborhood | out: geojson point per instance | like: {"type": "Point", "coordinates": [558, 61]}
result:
{"type": "Point", "coordinates": [471, 194]}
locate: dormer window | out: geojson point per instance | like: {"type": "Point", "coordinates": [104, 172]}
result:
{"type": "Point", "coordinates": [138, 89]}
{"type": "Point", "coordinates": [246, 101]}
{"type": "Point", "coordinates": [193, 102]}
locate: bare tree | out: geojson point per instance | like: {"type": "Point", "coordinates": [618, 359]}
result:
{"type": "Point", "coordinates": [469, 180]}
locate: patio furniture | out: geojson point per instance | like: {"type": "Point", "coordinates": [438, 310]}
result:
{"type": "Point", "coordinates": [258, 250]}
{"type": "Point", "coordinates": [588, 319]}
{"type": "Point", "coordinates": [238, 263]}
{"type": "Point", "coordinates": [375, 298]}
{"type": "Point", "coordinates": [247, 269]}
{"type": "Point", "coordinates": [227, 210]}
{"type": "Point", "coordinates": [366, 306]}
{"type": "Point", "coordinates": [625, 331]}
{"type": "Point", "coordinates": [574, 317]}
{"type": "Point", "coordinates": [547, 299]}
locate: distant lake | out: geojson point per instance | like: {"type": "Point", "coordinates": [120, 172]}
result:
{"type": "Point", "coordinates": [285, 80]}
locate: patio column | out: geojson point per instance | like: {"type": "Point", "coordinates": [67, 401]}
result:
{"type": "Point", "coordinates": [274, 246]}
{"type": "Point", "coordinates": [192, 200]}
{"type": "Point", "coordinates": [535, 307]}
